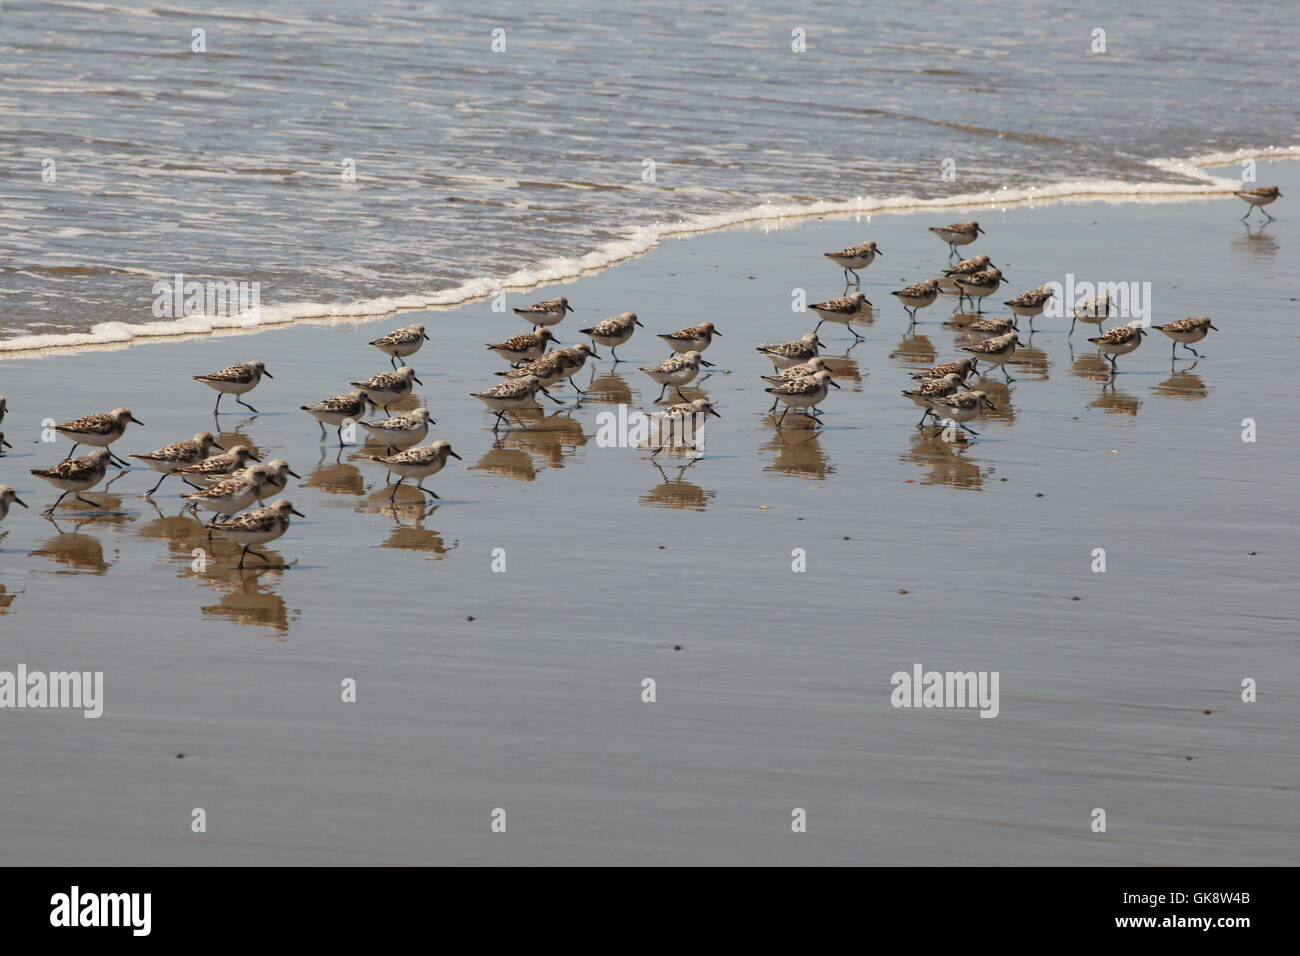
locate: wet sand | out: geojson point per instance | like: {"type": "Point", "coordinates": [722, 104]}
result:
{"type": "Point", "coordinates": [779, 697]}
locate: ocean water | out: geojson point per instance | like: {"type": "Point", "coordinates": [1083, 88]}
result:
{"type": "Point", "coordinates": [126, 156]}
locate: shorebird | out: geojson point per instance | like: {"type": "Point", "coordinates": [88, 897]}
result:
{"type": "Point", "coordinates": [961, 408]}
{"type": "Point", "coordinates": [804, 392]}
{"type": "Point", "coordinates": [843, 310]}
{"type": "Point", "coordinates": [1030, 304]}
{"type": "Point", "coordinates": [513, 394]}
{"type": "Point", "coordinates": [550, 312]}
{"type": "Point", "coordinates": [526, 346]}
{"type": "Point", "coordinates": [932, 388]}
{"type": "Point", "coordinates": [613, 332]}
{"type": "Point", "coordinates": [684, 421]}
{"type": "Point", "coordinates": [99, 431]}
{"type": "Point", "coordinates": [854, 258]}
{"type": "Point", "coordinates": [948, 284]}
{"type": "Point", "coordinates": [8, 497]}
{"type": "Point", "coordinates": [917, 296]}
{"type": "Point", "coordinates": [1260, 198]}
{"type": "Point", "coordinates": [257, 527]}
{"type": "Point", "coordinates": [235, 380]}
{"type": "Point", "coordinates": [785, 354]}
{"type": "Point", "coordinates": [401, 342]}
{"type": "Point", "coordinates": [338, 410]}
{"type": "Point", "coordinates": [1120, 341]}
{"type": "Point", "coordinates": [677, 371]}
{"type": "Point", "coordinates": [277, 472]}
{"type": "Point", "coordinates": [233, 494]}
{"type": "Point", "coordinates": [964, 367]}
{"type": "Point", "coordinates": [1185, 332]}
{"type": "Point", "coordinates": [386, 388]}
{"type": "Point", "coordinates": [958, 234]}
{"type": "Point", "coordinates": [172, 458]}
{"type": "Point", "coordinates": [549, 369]}
{"type": "Point", "coordinates": [979, 285]}
{"type": "Point", "coordinates": [418, 463]}
{"type": "Point", "coordinates": [75, 475]}
{"type": "Point", "coordinates": [401, 431]}
{"type": "Point", "coordinates": [997, 351]}
{"type": "Point", "coordinates": [989, 328]}
{"type": "Point", "coordinates": [695, 338]}
{"type": "Point", "coordinates": [1094, 311]}
{"type": "Point", "coordinates": [218, 467]}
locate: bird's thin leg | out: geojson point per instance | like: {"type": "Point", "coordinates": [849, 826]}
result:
{"type": "Point", "coordinates": [1192, 350]}
{"type": "Point", "coordinates": [50, 509]}
{"type": "Point", "coordinates": [420, 484]}
{"type": "Point", "coordinates": [88, 501]}
{"type": "Point", "coordinates": [157, 486]}
{"type": "Point", "coordinates": [75, 446]}
{"type": "Point", "coordinates": [240, 401]}
{"type": "Point", "coordinates": [395, 487]}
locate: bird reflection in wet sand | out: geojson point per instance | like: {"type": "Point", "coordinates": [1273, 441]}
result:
{"type": "Point", "coordinates": [507, 463]}
{"type": "Point", "coordinates": [1256, 241]}
{"type": "Point", "coordinates": [247, 596]}
{"type": "Point", "coordinates": [409, 534]}
{"type": "Point", "coordinates": [1112, 400]}
{"type": "Point", "coordinates": [916, 350]}
{"type": "Point", "coordinates": [338, 477]}
{"type": "Point", "coordinates": [1089, 365]}
{"type": "Point", "coordinates": [6, 599]}
{"type": "Point", "coordinates": [676, 492]}
{"type": "Point", "coordinates": [1183, 384]}
{"type": "Point", "coordinates": [74, 551]}
{"type": "Point", "coordinates": [945, 461]}
{"type": "Point", "coordinates": [798, 450]}
{"type": "Point", "coordinates": [609, 389]}
{"type": "Point", "coordinates": [550, 438]}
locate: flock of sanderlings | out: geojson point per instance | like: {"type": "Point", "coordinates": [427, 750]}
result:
{"type": "Point", "coordinates": [236, 480]}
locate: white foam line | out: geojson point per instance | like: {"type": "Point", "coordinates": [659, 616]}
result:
{"type": "Point", "coordinates": [645, 238]}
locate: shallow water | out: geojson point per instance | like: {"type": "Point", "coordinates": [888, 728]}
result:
{"type": "Point", "coordinates": [228, 164]}
{"type": "Point", "coordinates": [779, 695]}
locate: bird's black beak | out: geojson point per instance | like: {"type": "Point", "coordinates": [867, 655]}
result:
{"type": "Point", "coordinates": [567, 307]}
{"type": "Point", "coordinates": [136, 420]}
{"type": "Point", "coordinates": [267, 374]}
{"type": "Point", "coordinates": [990, 406]}
{"type": "Point", "coordinates": [295, 474]}
{"type": "Point", "coordinates": [593, 354]}
{"type": "Point", "coordinates": [297, 512]}
{"type": "Point", "coordinates": [454, 455]}
{"type": "Point", "coordinates": [555, 340]}
{"type": "Point", "coordinates": [5, 443]}
{"type": "Point", "coordinates": [879, 253]}
{"type": "Point", "coordinates": [218, 446]}
{"type": "Point", "coordinates": [831, 381]}
{"type": "Point", "coordinates": [255, 458]}
{"type": "Point", "coordinates": [426, 336]}
{"type": "Point", "coordinates": [417, 380]}
{"type": "Point", "coordinates": [714, 414]}
{"type": "Point", "coordinates": [978, 229]}
{"type": "Point", "coordinates": [19, 501]}
{"type": "Point", "coordinates": [715, 332]}
{"type": "Point", "coordinates": [1213, 326]}
{"type": "Point", "coordinates": [707, 364]}
{"type": "Point", "coordinates": [637, 322]}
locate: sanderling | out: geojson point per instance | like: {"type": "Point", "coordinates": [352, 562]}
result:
{"type": "Point", "coordinates": [854, 258]}
{"type": "Point", "coordinates": [218, 467]}
{"type": "Point", "coordinates": [75, 475]}
{"type": "Point", "coordinates": [402, 431]}
{"type": "Point", "coordinates": [1186, 331]}
{"type": "Point", "coordinates": [172, 458]}
{"type": "Point", "coordinates": [814, 364]}
{"type": "Point", "coordinates": [526, 345]}
{"type": "Point", "coordinates": [257, 527]}
{"type": "Point", "coordinates": [418, 463]}
{"type": "Point", "coordinates": [235, 380]}
{"type": "Point", "coordinates": [917, 296]}
{"type": "Point", "coordinates": [1260, 197]}
{"type": "Point", "coordinates": [1094, 311]}
{"type": "Point", "coordinates": [232, 494]}
{"type": "Point", "coordinates": [386, 388]}
{"type": "Point", "coordinates": [996, 351]}
{"type": "Point", "coordinates": [578, 355]}
{"type": "Point", "coordinates": [932, 388]}
{"type": "Point", "coordinates": [844, 310]}
{"type": "Point", "coordinates": [8, 497]}
{"type": "Point", "coordinates": [338, 410]}
{"type": "Point", "coordinates": [785, 354]}
{"type": "Point", "coordinates": [948, 284]}
{"type": "Point", "coordinates": [978, 285]}
{"type": "Point", "coordinates": [513, 394]}
{"type": "Point", "coordinates": [804, 392]}
{"type": "Point", "coordinates": [98, 430]}
{"type": "Point", "coordinates": [677, 371]}
{"type": "Point", "coordinates": [671, 423]}
{"type": "Point", "coordinates": [277, 474]}
{"type": "Point", "coordinates": [400, 343]}
{"type": "Point", "coordinates": [964, 367]}
{"type": "Point", "coordinates": [991, 327]}
{"type": "Point", "coordinates": [961, 408]}
{"type": "Point", "coordinates": [1120, 340]}
{"type": "Point", "coordinates": [958, 234]}
{"type": "Point", "coordinates": [695, 338]}
{"type": "Point", "coordinates": [549, 369]}
{"type": "Point", "coordinates": [1030, 304]}
{"type": "Point", "coordinates": [613, 332]}
{"type": "Point", "coordinates": [549, 312]}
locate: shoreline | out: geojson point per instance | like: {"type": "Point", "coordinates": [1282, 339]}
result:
{"type": "Point", "coordinates": [116, 335]}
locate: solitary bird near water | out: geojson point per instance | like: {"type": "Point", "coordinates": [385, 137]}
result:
{"type": "Point", "coordinates": [1260, 197]}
